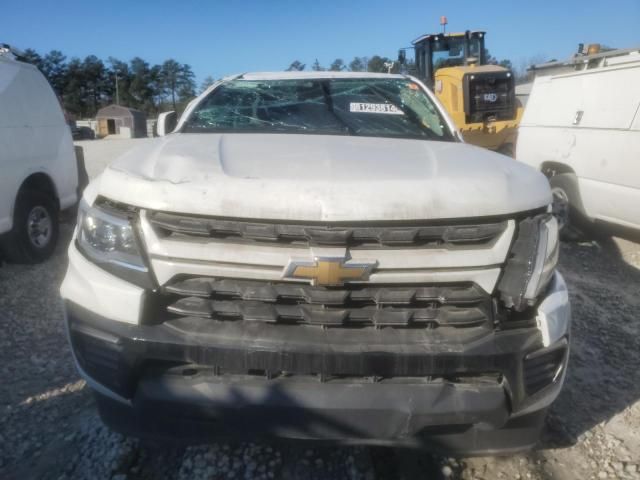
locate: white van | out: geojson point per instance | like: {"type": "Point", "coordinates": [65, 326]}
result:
{"type": "Point", "coordinates": [38, 166]}
{"type": "Point", "coordinates": [582, 129]}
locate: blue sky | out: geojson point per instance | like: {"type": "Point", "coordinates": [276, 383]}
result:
{"type": "Point", "coordinates": [221, 37]}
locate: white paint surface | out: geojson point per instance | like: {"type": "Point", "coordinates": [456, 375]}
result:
{"type": "Point", "coordinates": [590, 121]}
{"type": "Point", "coordinates": [321, 178]}
{"type": "Point", "coordinates": [91, 287]}
{"type": "Point", "coordinates": [34, 138]}
{"type": "Point", "coordinates": [554, 312]}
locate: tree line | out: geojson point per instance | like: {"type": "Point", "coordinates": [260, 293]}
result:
{"type": "Point", "coordinates": [376, 63]}
{"type": "Point", "coordinates": [86, 85]}
{"type": "Point", "coordinates": [380, 64]}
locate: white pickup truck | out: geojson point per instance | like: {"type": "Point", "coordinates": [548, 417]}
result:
{"type": "Point", "coordinates": [319, 255]}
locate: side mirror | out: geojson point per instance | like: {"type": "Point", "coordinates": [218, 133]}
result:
{"type": "Point", "coordinates": [167, 122]}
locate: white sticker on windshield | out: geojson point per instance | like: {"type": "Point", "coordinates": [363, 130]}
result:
{"type": "Point", "coordinates": [387, 108]}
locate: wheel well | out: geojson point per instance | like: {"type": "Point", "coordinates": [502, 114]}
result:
{"type": "Point", "coordinates": [41, 183]}
{"type": "Point", "coordinates": [555, 168]}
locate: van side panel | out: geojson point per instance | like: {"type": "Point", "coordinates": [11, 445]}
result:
{"type": "Point", "coordinates": [607, 163]}
{"type": "Point", "coordinates": [611, 97]}
{"type": "Point", "coordinates": [589, 121]}
{"type": "Point", "coordinates": [608, 98]}
{"type": "Point", "coordinates": [611, 203]}
{"type": "Point", "coordinates": [34, 137]}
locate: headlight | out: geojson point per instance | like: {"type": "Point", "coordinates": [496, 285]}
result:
{"type": "Point", "coordinates": [546, 258]}
{"type": "Point", "coordinates": [532, 261]}
{"type": "Point", "coordinates": [107, 238]}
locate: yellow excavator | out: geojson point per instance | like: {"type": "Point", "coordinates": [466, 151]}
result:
{"type": "Point", "coordinates": [479, 97]}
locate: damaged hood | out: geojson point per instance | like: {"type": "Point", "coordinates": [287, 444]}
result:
{"type": "Point", "coordinates": [320, 178]}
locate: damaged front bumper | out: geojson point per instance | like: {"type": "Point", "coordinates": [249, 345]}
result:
{"type": "Point", "coordinates": [474, 392]}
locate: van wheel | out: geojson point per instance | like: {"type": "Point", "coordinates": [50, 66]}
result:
{"type": "Point", "coordinates": [567, 207]}
{"type": "Point", "coordinates": [35, 228]}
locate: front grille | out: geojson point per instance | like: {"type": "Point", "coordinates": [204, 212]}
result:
{"type": "Point", "coordinates": [463, 305]}
{"type": "Point", "coordinates": [542, 369]}
{"type": "Point", "coordinates": [406, 235]}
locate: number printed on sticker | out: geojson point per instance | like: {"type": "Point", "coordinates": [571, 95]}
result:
{"type": "Point", "coordinates": [386, 108]}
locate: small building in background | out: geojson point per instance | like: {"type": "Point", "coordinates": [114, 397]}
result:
{"type": "Point", "coordinates": [123, 121]}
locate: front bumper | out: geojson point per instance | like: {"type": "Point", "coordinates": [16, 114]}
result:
{"type": "Point", "coordinates": [446, 418]}
{"type": "Point", "coordinates": [467, 394]}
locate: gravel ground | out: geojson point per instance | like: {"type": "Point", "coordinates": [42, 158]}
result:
{"type": "Point", "coordinates": [49, 428]}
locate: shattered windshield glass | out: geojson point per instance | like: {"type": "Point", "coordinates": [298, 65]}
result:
{"type": "Point", "coordinates": [362, 106]}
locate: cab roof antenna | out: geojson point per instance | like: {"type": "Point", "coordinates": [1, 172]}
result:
{"type": "Point", "coordinates": [443, 22]}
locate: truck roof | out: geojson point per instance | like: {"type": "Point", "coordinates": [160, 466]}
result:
{"type": "Point", "coordinates": [314, 75]}
{"type": "Point", "coordinates": [11, 54]}
{"type": "Point", "coordinates": [427, 36]}
{"type": "Point", "coordinates": [6, 48]}
{"type": "Point", "coordinates": [631, 54]}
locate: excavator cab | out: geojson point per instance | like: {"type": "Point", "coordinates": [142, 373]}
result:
{"type": "Point", "coordinates": [433, 52]}
{"type": "Point", "coordinates": [479, 97]}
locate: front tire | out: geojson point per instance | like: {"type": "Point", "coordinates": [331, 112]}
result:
{"type": "Point", "coordinates": [35, 228]}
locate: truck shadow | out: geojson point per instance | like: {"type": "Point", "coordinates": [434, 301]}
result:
{"type": "Point", "coordinates": [605, 353]}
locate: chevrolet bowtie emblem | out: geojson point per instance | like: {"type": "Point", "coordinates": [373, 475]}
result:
{"type": "Point", "coordinates": [328, 271]}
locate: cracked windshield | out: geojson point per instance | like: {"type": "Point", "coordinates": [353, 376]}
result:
{"type": "Point", "coordinates": [371, 107]}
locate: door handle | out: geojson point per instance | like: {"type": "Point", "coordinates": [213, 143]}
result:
{"type": "Point", "coordinates": [578, 117]}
